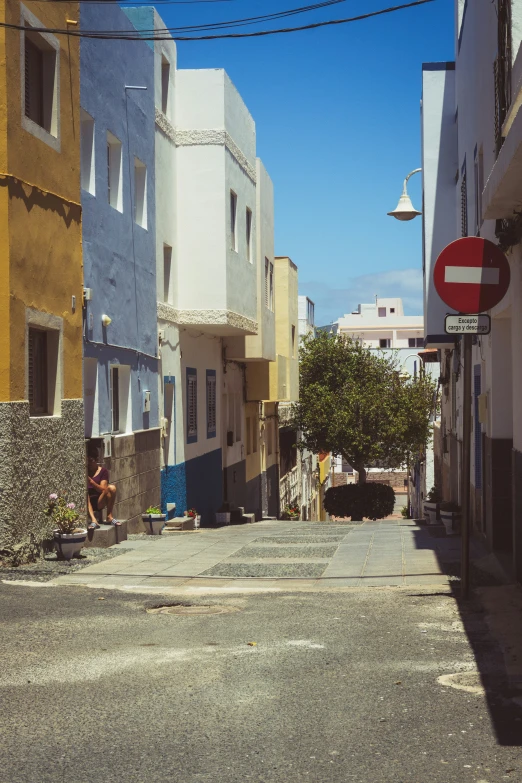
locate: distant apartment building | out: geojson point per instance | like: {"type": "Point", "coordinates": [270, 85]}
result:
{"type": "Point", "coordinates": [306, 317]}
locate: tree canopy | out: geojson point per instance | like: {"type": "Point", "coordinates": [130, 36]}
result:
{"type": "Point", "coordinates": [354, 401]}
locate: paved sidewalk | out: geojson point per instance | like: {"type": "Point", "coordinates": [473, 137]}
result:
{"type": "Point", "coordinates": [280, 555]}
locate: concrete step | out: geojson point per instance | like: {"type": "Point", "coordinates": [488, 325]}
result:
{"type": "Point", "coordinates": [181, 523]}
{"type": "Point", "coordinates": [249, 518]}
{"type": "Point", "coordinates": [106, 535]}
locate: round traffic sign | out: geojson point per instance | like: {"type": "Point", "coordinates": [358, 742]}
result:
{"type": "Point", "coordinates": [471, 275]}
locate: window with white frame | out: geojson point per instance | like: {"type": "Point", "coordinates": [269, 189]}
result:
{"type": "Point", "coordinates": [385, 343]}
{"type": "Point", "coordinates": [233, 220]}
{"type": "Point", "coordinates": [211, 404]}
{"type": "Point", "coordinates": [165, 85]}
{"type": "Point", "coordinates": [87, 152]}
{"type": "Point", "coordinates": [167, 273]}
{"type": "Point", "coordinates": [120, 399]}
{"type": "Point", "coordinates": [192, 405]}
{"type": "Point", "coordinates": [114, 173]}
{"type": "Point", "coordinates": [40, 80]}
{"type": "Point", "coordinates": [42, 371]}
{"type": "Point", "coordinates": [248, 226]}
{"type": "Point", "coordinates": [140, 193]}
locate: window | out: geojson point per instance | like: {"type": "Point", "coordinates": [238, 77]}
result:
{"type": "Point", "coordinates": [165, 79]}
{"type": "Point", "coordinates": [293, 341]}
{"type": "Point", "coordinates": [415, 342]}
{"type": "Point", "coordinates": [269, 437]}
{"type": "Point", "coordinates": [385, 343]}
{"type": "Point", "coordinates": [211, 404]}
{"type": "Point", "coordinates": [310, 312]}
{"type": "Point", "coordinates": [249, 234]}
{"type": "Point", "coordinates": [479, 187]}
{"type": "Point", "coordinates": [267, 288]}
{"type": "Point", "coordinates": [392, 309]}
{"type": "Point", "coordinates": [248, 437]}
{"type": "Point", "coordinates": [43, 379]}
{"type": "Point", "coordinates": [140, 193]}
{"type": "Point", "coordinates": [114, 178]}
{"type": "Point", "coordinates": [382, 312]}
{"type": "Point", "coordinates": [40, 81]}
{"type": "Point", "coordinates": [120, 398]}
{"type": "Point", "coordinates": [463, 203]}
{"type": "Point", "coordinates": [37, 373]}
{"type": "Point", "coordinates": [233, 220]}
{"type": "Point", "coordinates": [420, 342]}
{"type": "Point", "coordinates": [271, 285]}
{"type": "Point", "coordinates": [87, 152]}
{"type": "Point", "coordinates": [167, 269]}
{"type": "Point", "coordinates": [192, 405]}
{"type": "Point", "coordinates": [254, 434]}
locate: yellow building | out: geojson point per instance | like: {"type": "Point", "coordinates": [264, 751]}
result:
{"type": "Point", "coordinates": [41, 407]}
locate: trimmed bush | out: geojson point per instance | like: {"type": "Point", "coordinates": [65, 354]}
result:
{"type": "Point", "coordinates": [373, 501]}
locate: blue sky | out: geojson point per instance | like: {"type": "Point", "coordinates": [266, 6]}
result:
{"type": "Point", "coordinates": [337, 117]}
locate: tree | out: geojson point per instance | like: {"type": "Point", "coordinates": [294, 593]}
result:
{"type": "Point", "coordinates": [354, 401]}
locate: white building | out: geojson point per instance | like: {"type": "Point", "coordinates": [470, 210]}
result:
{"type": "Point", "coordinates": [306, 317]}
{"type": "Point", "coordinates": [471, 139]}
{"type": "Point", "coordinates": [383, 325]}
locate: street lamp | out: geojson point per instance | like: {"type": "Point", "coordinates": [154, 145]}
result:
{"type": "Point", "coordinates": [405, 209]}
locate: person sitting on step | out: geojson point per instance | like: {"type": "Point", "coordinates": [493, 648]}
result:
{"type": "Point", "coordinates": [100, 493]}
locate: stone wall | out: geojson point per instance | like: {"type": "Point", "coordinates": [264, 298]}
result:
{"type": "Point", "coordinates": [393, 479]}
{"type": "Point", "coordinates": [135, 469]}
{"type": "Point", "coordinates": [39, 455]}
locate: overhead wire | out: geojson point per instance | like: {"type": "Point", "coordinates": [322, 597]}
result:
{"type": "Point", "coordinates": [169, 34]}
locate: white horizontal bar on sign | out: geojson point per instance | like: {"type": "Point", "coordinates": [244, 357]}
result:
{"type": "Point", "coordinates": [471, 274]}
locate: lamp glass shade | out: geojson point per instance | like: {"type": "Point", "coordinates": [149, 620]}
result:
{"type": "Point", "coordinates": [404, 209]}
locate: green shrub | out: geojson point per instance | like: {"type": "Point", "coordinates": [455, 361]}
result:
{"type": "Point", "coordinates": [373, 501]}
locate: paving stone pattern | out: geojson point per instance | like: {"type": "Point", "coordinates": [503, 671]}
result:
{"type": "Point", "coordinates": [387, 553]}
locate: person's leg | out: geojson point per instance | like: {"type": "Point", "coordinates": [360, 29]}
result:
{"type": "Point", "coordinates": [90, 509]}
{"type": "Point", "coordinates": [111, 499]}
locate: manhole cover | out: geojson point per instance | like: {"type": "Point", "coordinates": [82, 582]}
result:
{"type": "Point", "coordinates": [192, 609]}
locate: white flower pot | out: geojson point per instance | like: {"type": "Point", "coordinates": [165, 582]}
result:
{"type": "Point", "coordinates": [431, 512]}
{"type": "Point", "coordinates": [154, 523]}
{"type": "Point", "coordinates": [451, 521]}
{"type": "Point", "coordinates": [69, 544]}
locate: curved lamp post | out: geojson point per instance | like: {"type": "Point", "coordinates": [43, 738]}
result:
{"type": "Point", "coordinates": [405, 209]}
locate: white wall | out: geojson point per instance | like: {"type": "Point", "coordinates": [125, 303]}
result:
{"type": "Point", "coordinates": [439, 165]}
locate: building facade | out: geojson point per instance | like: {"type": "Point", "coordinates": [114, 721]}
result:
{"type": "Point", "coordinates": [471, 131]}
{"type": "Point", "coordinates": [41, 405]}
{"type": "Point", "coordinates": [119, 248]}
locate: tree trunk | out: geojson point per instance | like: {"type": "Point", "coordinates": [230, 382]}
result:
{"type": "Point", "coordinates": [362, 474]}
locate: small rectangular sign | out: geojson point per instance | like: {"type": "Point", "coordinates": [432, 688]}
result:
{"type": "Point", "coordinates": [467, 324]}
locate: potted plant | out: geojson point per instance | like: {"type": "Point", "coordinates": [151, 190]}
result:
{"type": "Point", "coordinates": [450, 514]}
{"type": "Point", "coordinates": [291, 512]}
{"type": "Point", "coordinates": [69, 537]}
{"type": "Point", "coordinates": [431, 506]}
{"type": "Point", "coordinates": [193, 514]}
{"type": "Point", "coordinates": [154, 520]}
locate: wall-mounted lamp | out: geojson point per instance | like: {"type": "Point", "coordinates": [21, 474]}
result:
{"type": "Point", "coordinates": [106, 320]}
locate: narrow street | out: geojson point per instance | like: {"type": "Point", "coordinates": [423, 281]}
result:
{"type": "Point", "coordinates": [307, 680]}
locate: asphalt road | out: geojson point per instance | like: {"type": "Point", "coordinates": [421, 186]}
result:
{"type": "Point", "coordinates": [339, 686]}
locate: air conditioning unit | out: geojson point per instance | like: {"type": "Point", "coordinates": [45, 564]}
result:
{"type": "Point", "coordinates": [107, 445]}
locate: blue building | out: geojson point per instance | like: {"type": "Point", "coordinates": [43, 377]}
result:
{"type": "Point", "coordinates": [119, 255]}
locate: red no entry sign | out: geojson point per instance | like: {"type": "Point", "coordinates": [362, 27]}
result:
{"type": "Point", "coordinates": [471, 275]}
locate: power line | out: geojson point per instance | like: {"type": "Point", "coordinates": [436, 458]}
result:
{"type": "Point", "coordinates": [109, 35]}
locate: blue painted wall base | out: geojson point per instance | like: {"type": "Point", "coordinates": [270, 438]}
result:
{"type": "Point", "coordinates": [194, 484]}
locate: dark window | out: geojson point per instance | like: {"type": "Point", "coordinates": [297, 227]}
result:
{"type": "Point", "coordinates": [411, 342]}
{"type": "Point", "coordinates": [34, 87]}
{"type": "Point", "coordinates": [38, 373]}
{"type": "Point", "coordinates": [249, 234]}
{"type": "Point", "coordinates": [382, 312]}
{"type": "Point", "coordinates": [211, 403]}
{"type": "Point", "coordinates": [464, 204]}
{"type": "Point", "coordinates": [115, 390]}
{"type": "Point", "coordinates": [165, 79]}
{"type": "Point", "coordinates": [384, 343]}
{"type": "Point", "coordinates": [192, 405]}
{"type": "Point", "coordinates": [392, 309]}
{"type": "Point", "coordinates": [233, 214]}
{"type": "Point", "coordinates": [420, 342]}
{"type": "Point", "coordinates": [287, 451]}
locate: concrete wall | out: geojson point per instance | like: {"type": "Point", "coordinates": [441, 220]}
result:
{"type": "Point", "coordinates": [284, 372]}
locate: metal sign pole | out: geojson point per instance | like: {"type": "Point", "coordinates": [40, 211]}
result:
{"type": "Point", "coordinates": [466, 466]}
